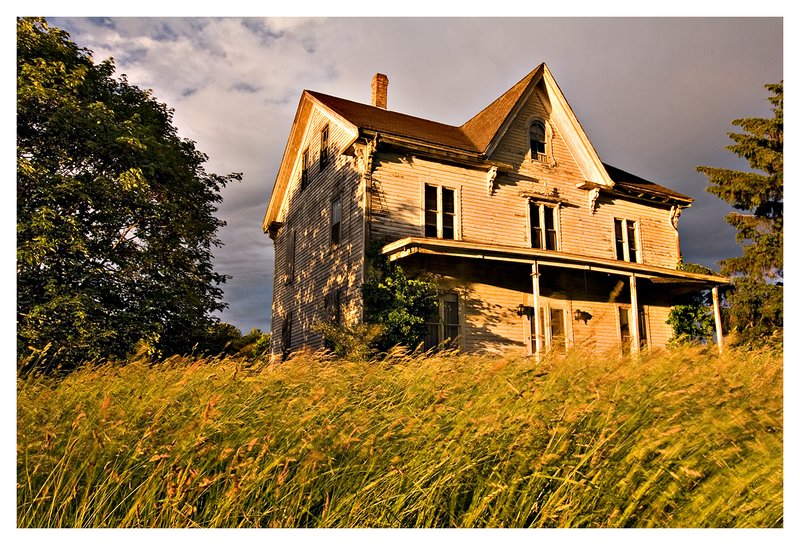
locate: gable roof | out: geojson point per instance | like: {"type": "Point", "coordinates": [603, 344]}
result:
{"type": "Point", "coordinates": [482, 129]}
{"type": "Point", "coordinates": [387, 122]}
{"type": "Point", "coordinates": [477, 137]}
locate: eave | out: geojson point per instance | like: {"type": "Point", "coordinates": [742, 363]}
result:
{"type": "Point", "coordinates": [408, 246]}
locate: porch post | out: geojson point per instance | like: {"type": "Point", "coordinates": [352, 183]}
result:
{"type": "Point", "coordinates": [537, 327]}
{"type": "Point", "coordinates": [634, 317]}
{"type": "Point", "coordinates": [717, 316]}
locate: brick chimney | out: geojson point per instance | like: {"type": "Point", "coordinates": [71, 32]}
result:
{"type": "Point", "coordinates": [380, 84]}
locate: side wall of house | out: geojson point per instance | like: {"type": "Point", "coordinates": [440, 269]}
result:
{"type": "Point", "coordinates": [327, 274]}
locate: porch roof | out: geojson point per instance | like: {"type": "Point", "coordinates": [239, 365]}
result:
{"type": "Point", "coordinates": [408, 246]}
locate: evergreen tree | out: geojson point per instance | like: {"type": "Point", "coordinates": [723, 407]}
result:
{"type": "Point", "coordinates": [756, 301]}
{"type": "Point", "coordinates": [115, 213]}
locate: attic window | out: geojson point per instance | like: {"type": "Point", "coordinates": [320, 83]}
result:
{"type": "Point", "coordinates": [538, 141]}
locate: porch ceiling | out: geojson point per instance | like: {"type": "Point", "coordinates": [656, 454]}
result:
{"type": "Point", "coordinates": [408, 246]}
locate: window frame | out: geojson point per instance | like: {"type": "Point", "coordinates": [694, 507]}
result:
{"type": "Point", "coordinates": [625, 228]}
{"type": "Point", "coordinates": [290, 256]}
{"type": "Point", "coordinates": [439, 325]}
{"type": "Point", "coordinates": [324, 150]}
{"type": "Point", "coordinates": [535, 155]}
{"type": "Point", "coordinates": [440, 212]}
{"type": "Point", "coordinates": [644, 328]}
{"type": "Point", "coordinates": [335, 227]}
{"type": "Point", "coordinates": [304, 162]}
{"type": "Point", "coordinates": [286, 335]}
{"type": "Point", "coordinates": [542, 221]}
{"type": "Point", "coordinates": [545, 311]}
{"type": "Point", "coordinates": [332, 303]}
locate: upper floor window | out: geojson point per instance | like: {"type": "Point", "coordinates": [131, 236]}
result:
{"type": "Point", "coordinates": [538, 141]}
{"type": "Point", "coordinates": [544, 226]}
{"type": "Point", "coordinates": [289, 256]}
{"type": "Point", "coordinates": [626, 240]}
{"type": "Point", "coordinates": [323, 147]}
{"type": "Point", "coordinates": [440, 212]}
{"type": "Point", "coordinates": [336, 220]}
{"type": "Point", "coordinates": [304, 172]}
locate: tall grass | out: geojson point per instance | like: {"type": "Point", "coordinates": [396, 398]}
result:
{"type": "Point", "coordinates": [677, 439]}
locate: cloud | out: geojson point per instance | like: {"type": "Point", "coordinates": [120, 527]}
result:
{"type": "Point", "coordinates": [656, 97]}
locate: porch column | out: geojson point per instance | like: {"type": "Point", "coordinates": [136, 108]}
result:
{"type": "Point", "coordinates": [537, 327]}
{"type": "Point", "coordinates": [634, 317]}
{"type": "Point", "coordinates": [717, 316]}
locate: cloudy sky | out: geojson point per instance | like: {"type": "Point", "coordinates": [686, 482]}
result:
{"type": "Point", "coordinates": [656, 97]}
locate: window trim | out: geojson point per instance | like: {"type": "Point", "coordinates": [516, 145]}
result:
{"type": "Point", "coordinates": [337, 197]}
{"type": "Point", "coordinates": [290, 255]}
{"type": "Point", "coordinates": [324, 150]}
{"type": "Point", "coordinates": [546, 326]}
{"type": "Point", "coordinates": [644, 328]}
{"type": "Point", "coordinates": [440, 210]}
{"type": "Point", "coordinates": [545, 158]}
{"type": "Point", "coordinates": [541, 216]}
{"type": "Point", "coordinates": [305, 159]}
{"type": "Point", "coordinates": [624, 223]}
{"type": "Point", "coordinates": [541, 157]}
{"type": "Point", "coordinates": [441, 325]}
{"type": "Point", "coordinates": [286, 335]}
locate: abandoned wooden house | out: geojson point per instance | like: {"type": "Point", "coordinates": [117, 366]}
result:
{"type": "Point", "coordinates": [535, 243]}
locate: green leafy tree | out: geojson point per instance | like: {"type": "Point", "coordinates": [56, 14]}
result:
{"type": "Point", "coordinates": [756, 300]}
{"type": "Point", "coordinates": [400, 305]}
{"type": "Point", "coordinates": [692, 321]}
{"type": "Point", "coordinates": [115, 212]}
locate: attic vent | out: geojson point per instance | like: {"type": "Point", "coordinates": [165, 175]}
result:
{"type": "Point", "coordinates": [380, 86]}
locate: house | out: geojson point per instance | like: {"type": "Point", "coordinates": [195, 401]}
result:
{"type": "Point", "coordinates": [511, 212]}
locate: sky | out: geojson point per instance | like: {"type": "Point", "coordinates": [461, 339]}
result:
{"type": "Point", "coordinates": [656, 97]}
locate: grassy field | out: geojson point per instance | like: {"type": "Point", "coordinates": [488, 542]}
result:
{"type": "Point", "coordinates": [676, 439]}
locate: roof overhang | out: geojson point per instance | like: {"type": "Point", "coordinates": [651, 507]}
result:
{"type": "Point", "coordinates": [409, 246]}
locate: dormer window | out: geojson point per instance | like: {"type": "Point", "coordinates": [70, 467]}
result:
{"type": "Point", "coordinates": [538, 141]}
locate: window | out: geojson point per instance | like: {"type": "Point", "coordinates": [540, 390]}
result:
{"type": "Point", "coordinates": [286, 335]}
{"type": "Point", "coordinates": [444, 327]}
{"type": "Point", "coordinates": [625, 329]}
{"type": "Point", "coordinates": [626, 242]}
{"type": "Point", "coordinates": [558, 336]}
{"type": "Point", "coordinates": [304, 172]}
{"type": "Point", "coordinates": [544, 230]}
{"type": "Point", "coordinates": [538, 141]}
{"type": "Point", "coordinates": [323, 148]}
{"type": "Point", "coordinates": [289, 264]}
{"type": "Point", "coordinates": [626, 332]}
{"type": "Point", "coordinates": [643, 343]}
{"type": "Point", "coordinates": [336, 220]}
{"type": "Point", "coordinates": [440, 212]}
{"type": "Point", "coordinates": [333, 307]}
{"type": "Point", "coordinates": [552, 329]}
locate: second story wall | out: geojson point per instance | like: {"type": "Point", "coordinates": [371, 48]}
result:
{"type": "Point", "coordinates": [537, 188]}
